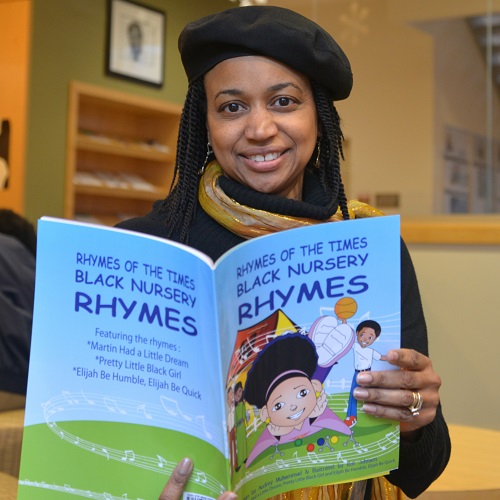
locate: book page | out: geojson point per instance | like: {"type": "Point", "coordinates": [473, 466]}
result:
{"type": "Point", "coordinates": [125, 375]}
{"type": "Point", "coordinates": [302, 313]}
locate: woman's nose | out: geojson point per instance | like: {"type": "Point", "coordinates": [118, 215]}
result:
{"type": "Point", "coordinates": [261, 125]}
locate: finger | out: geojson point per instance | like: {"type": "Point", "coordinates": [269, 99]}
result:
{"type": "Point", "coordinates": [228, 495]}
{"type": "Point", "coordinates": [408, 359]}
{"type": "Point", "coordinates": [392, 379]}
{"type": "Point", "coordinates": [398, 398]}
{"type": "Point", "coordinates": [400, 414]}
{"type": "Point", "coordinates": [175, 485]}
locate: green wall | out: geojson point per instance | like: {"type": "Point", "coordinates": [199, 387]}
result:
{"type": "Point", "coordinates": [69, 43]}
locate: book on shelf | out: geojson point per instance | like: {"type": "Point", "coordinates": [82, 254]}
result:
{"type": "Point", "coordinates": [144, 351]}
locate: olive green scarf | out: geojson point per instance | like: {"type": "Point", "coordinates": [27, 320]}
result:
{"type": "Point", "coordinates": [249, 222]}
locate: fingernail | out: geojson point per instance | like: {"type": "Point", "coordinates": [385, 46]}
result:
{"type": "Point", "coordinates": [185, 466]}
{"type": "Point", "coordinates": [368, 408]}
{"type": "Point", "coordinates": [364, 378]}
{"type": "Point", "coordinates": [229, 495]}
{"type": "Point", "coordinates": [392, 356]}
{"type": "Point", "coordinates": [360, 393]}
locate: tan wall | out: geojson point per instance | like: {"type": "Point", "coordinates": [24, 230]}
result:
{"type": "Point", "coordinates": [416, 69]}
{"type": "Point", "coordinates": [14, 56]}
{"type": "Point", "coordinates": [459, 287]}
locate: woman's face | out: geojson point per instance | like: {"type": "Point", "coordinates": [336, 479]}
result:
{"type": "Point", "coordinates": [262, 123]}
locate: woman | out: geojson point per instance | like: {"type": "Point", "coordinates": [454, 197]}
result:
{"type": "Point", "coordinates": [262, 82]}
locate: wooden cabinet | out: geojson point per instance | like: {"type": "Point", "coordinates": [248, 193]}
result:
{"type": "Point", "coordinates": [120, 153]}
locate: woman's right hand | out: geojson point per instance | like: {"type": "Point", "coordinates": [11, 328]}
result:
{"type": "Point", "coordinates": [175, 485]}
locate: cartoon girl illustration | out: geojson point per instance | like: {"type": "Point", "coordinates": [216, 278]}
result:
{"type": "Point", "coordinates": [280, 383]}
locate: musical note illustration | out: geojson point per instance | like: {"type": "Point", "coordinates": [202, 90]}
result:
{"type": "Point", "coordinates": [280, 463]}
{"type": "Point", "coordinates": [68, 398]}
{"type": "Point", "coordinates": [88, 400]}
{"type": "Point", "coordinates": [314, 458]}
{"type": "Point", "coordinates": [392, 438]}
{"type": "Point", "coordinates": [295, 455]}
{"type": "Point", "coordinates": [142, 409]}
{"type": "Point", "coordinates": [162, 461]}
{"type": "Point", "coordinates": [129, 456]}
{"type": "Point", "coordinates": [270, 337]}
{"type": "Point", "coordinates": [169, 403]}
{"type": "Point", "coordinates": [383, 448]}
{"type": "Point", "coordinates": [112, 406]}
{"type": "Point", "coordinates": [201, 420]}
{"type": "Point", "coordinates": [339, 456]}
{"type": "Point", "coordinates": [200, 477]}
{"type": "Point", "coordinates": [105, 452]}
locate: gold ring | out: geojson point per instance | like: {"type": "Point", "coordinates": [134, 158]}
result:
{"type": "Point", "coordinates": [416, 406]}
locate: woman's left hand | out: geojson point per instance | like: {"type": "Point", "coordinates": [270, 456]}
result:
{"type": "Point", "coordinates": [391, 393]}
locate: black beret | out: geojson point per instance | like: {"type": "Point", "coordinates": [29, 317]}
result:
{"type": "Point", "coordinates": [274, 32]}
{"type": "Point", "coordinates": [289, 355]}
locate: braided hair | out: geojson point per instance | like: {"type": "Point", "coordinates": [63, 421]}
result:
{"type": "Point", "coordinates": [179, 208]}
{"type": "Point", "coordinates": [330, 147]}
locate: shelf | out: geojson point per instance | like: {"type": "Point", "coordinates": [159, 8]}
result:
{"type": "Point", "coordinates": [120, 192]}
{"type": "Point", "coordinates": [120, 153]}
{"type": "Point", "coordinates": [115, 147]}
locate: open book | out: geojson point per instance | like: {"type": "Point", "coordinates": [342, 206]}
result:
{"type": "Point", "coordinates": [144, 352]}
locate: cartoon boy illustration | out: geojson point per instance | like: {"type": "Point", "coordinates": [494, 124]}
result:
{"type": "Point", "coordinates": [366, 332]}
{"type": "Point", "coordinates": [292, 403]}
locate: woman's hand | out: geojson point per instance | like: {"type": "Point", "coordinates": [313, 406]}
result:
{"type": "Point", "coordinates": [175, 485]}
{"type": "Point", "coordinates": [390, 393]}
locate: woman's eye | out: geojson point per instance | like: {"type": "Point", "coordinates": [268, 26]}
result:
{"type": "Point", "coordinates": [277, 406]}
{"type": "Point", "coordinates": [284, 101]}
{"type": "Point", "coordinates": [232, 107]}
{"type": "Point", "coordinates": [303, 393]}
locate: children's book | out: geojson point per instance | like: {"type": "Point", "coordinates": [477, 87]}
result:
{"type": "Point", "coordinates": [144, 351]}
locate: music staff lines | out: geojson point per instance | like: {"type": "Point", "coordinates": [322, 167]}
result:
{"type": "Point", "coordinates": [338, 455]}
{"type": "Point", "coordinates": [169, 410]}
{"type": "Point", "coordinates": [165, 415]}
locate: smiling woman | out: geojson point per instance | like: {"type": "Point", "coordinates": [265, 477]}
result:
{"type": "Point", "coordinates": [259, 151]}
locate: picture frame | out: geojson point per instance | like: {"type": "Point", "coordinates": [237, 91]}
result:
{"type": "Point", "coordinates": [135, 42]}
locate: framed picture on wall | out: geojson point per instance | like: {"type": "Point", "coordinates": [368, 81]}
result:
{"type": "Point", "coordinates": [135, 42]}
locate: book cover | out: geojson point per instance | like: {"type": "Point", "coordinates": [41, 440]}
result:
{"type": "Point", "coordinates": [144, 351]}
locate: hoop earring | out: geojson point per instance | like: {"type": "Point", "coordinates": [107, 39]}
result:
{"type": "Point", "coordinates": [318, 154]}
{"type": "Point", "coordinates": [209, 152]}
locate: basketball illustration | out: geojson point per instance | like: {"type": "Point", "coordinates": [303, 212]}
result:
{"type": "Point", "coordinates": [346, 308]}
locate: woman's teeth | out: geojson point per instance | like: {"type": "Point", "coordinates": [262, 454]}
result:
{"type": "Point", "coordinates": [268, 157]}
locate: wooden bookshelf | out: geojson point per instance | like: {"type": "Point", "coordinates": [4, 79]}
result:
{"type": "Point", "coordinates": [120, 153]}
